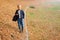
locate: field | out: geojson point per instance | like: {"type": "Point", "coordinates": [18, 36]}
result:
{"type": "Point", "coordinates": [43, 20]}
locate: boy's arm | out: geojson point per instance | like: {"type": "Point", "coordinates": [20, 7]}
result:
{"type": "Point", "coordinates": [16, 12]}
{"type": "Point", "coordinates": [23, 14]}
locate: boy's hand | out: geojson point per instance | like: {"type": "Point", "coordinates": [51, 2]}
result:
{"type": "Point", "coordinates": [16, 14]}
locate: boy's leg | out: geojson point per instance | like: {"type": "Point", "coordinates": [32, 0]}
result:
{"type": "Point", "coordinates": [22, 25]}
{"type": "Point", "coordinates": [19, 24]}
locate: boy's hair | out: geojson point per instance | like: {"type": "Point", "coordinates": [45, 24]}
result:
{"type": "Point", "coordinates": [19, 5]}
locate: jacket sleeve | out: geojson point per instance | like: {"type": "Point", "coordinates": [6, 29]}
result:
{"type": "Point", "coordinates": [16, 12]}
{"type": "Point", "coordinates": [23, 14]}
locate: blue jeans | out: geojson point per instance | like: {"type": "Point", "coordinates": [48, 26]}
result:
{"type": "Point", "coordinates": [20, 24]}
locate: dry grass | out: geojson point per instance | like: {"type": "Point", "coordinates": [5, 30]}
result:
{"type": "Point", "coordinates": [43, 23]}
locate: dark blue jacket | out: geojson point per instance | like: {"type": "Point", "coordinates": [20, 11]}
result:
{"type": "Point", "coordinates": [21, 13]}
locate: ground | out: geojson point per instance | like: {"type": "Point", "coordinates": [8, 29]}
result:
{"type": "Point", "coordinates": [43, 21]}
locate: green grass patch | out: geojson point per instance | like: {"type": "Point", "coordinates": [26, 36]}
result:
{"type": "Point", "coordinates": [32, 15]}
{"type": "Point", "coordinates": [54, 8]}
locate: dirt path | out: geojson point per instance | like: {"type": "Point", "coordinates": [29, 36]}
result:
{"type": "Point", "coordinates": [11, 33]}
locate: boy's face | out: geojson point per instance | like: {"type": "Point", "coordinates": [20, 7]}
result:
{"type": "Point", "coordinates": [19, 7]}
